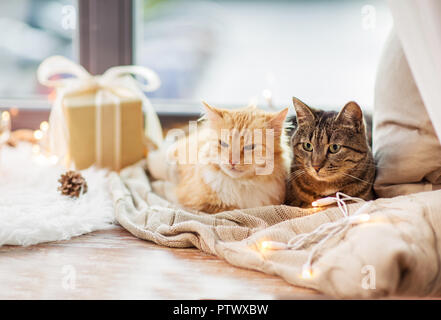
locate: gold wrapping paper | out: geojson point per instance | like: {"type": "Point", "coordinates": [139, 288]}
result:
{"type": "Point", "coordinates": [97, 119]}
{"type": "Point", "coordinates": [84, 122]}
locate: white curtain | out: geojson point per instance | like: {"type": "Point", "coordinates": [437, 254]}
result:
{"type": "Point", "coordinates": [418, 25]}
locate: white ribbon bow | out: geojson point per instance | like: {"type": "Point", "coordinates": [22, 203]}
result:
{"type": "Point", "coordinates": [115, 77]}
{"type": "Point", "coordinates": [83, 80]}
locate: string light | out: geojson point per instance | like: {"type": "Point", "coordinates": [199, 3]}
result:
{"type": "Point", "coordinates": [273, 245]}
{"type": "Point", "coordinates": [5, 127]}
{"type": "Point", "coordinates": [38, 134]}
{"type": "Point", "coordinates": [323, 202]}
{"type": "Point", "coordinates": [41, 156]}
{"type": "Point", "coordinates": [324, 232]}
{"type": "Point", "coordinates": [44, 126]}
{"type": "Point", "coordinates": [307, 272]}
{"type": "Point", "coordinates": [5, 116]}
{"type": "Point", "coordinates": [363, 217]}
{"type": "Point", "coordinates": [264, 245]}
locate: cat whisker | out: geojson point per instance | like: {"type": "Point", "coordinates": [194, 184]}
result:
{"type": "Point", "coordinates": [295, 175]}
{"type": "Point", "coordinates": [354, 177]}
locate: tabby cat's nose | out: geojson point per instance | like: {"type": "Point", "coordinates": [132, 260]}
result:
{"type": "Point", "coordinates": [316, 168]}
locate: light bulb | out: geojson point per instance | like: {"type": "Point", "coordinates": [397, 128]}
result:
{"type": "Point", "coordinates": [307, 272]}
{"type": "Point", "coordinates": [323, 202]}
{"type": "Point", "coordinates": [44, 126]}
{"type": "Point", "coordinates": [364, 217]}
{"type": "Point", "coordinates": [264, 245]}
{"type": "Point", "coordinates": [273, 245]}
{"type": "Point", "coordinates": [38, 134]}
{"type": "Point", "coordinates": [5, 116]}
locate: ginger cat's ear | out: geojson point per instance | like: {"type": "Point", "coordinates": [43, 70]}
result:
{"type": "Point", "coordinates": [212, 113]}
{"type": "Point", "coordinates": [303, 112]}
{"type": "Point", "coordinates": [278, 119]}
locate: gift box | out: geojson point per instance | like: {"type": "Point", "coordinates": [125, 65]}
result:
{"type": "Point", "coordinates": [98, 120]}
{"type": "Point", "coordinates": [110, 135]}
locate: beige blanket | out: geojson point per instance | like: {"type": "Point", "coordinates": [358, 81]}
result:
{"type": "Point", "coordinates": [395, 253]}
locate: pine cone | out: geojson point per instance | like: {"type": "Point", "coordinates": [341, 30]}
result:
{"type": "Point", "coordinates": [71, 184]}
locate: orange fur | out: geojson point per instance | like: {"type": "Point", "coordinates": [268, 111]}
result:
{"type": "Point", "coordinates": [213, 187]}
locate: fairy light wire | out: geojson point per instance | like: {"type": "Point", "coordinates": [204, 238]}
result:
{"type": "Point", "coordinates": [323, 233]}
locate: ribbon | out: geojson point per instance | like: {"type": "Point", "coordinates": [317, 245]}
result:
{"type": "Point", "coordinates": [105, 85]}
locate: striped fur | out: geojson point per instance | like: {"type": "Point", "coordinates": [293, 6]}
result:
{"type": "Point", "coordinates": [350, 170]}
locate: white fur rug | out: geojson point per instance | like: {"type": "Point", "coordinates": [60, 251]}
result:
{"type": "Point", "coordinates": [31, 208]}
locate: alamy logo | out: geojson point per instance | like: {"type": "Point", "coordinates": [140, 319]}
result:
{"type": "Point", "coordinates": [368, 281]}
{"type": "Point", "coordinates": [229, 148]}
{"type": "Point", "coordinates": [70, 277]}
{"type": "Point", "coordinates": [368, 17]}
{"type": "Point", "coordinates": [68, 17]}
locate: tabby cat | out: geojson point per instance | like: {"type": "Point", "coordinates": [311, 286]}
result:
{"type": "Point", "coordinates": [331, 154]}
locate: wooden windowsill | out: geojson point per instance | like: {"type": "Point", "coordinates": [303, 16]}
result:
{"type": "Point", "coordinates": [28, 115]}
{"type": "Point", "coordinates": [113, 264]}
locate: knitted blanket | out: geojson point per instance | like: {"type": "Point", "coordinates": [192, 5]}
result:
{"type": "Point", "coordinates": [395, 252]}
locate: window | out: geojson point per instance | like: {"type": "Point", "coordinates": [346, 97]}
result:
{"type": "Point", "coordinates": [230, 52]}
{"type": "Point", "coordinates": [223, 51]}
{"type": "Point", "coordinates": [30, 31]}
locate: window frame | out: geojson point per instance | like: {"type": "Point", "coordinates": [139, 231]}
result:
{"type": "Point", "coordinates": [105, 33]}
{"type": "Point", "coordinates": [95, 44]}
{"type": "Point", "coordinates": [98, 49]}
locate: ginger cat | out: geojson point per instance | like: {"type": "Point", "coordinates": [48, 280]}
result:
{"type": "Point", "coordinates": [242, 161]}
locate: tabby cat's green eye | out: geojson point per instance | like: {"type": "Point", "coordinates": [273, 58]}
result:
{"type": "Point", "coordinates": [334, 148]}
{"type": "Point", "coordinates": [307, 146]}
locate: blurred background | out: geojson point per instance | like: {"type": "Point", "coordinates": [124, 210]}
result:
{"type": "Point", "coordinates": [223, 51]}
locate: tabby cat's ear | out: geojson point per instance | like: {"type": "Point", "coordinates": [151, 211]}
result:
{"type": "Point", "coordinates": [278, 119]}
{"type": "Point", "coordinates": [212, 113]}
{"type": "Point", "coordinates": [350, 115]}
{"type": "Point", "coordinates": [303, 112]}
